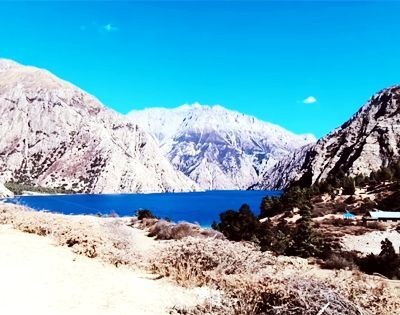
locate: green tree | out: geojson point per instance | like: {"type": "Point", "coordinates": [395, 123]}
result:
{"type": "Point", "coordinates": [395, 168]}
{"type": "Point", "coordinates": [384, 174]}
{"type": "Point", "coordinates": [270, 207]}
{"type": "Point", "coordinates": [266, 235]}
{"type": "Point", "coordinates": [387, 250]}
{"type": "Point", "coordinates": [325, 187]}
{"type": "Point", "coordinates": [359, 180]}
{"type": "Point", "coordinates": [240, 225]}
{"type": "Point", "coordinates": [283, 237]}
{"type": "Point", "coordinates": [386, 263]}
{"type": "Point", "coordinates": [304, 240]}
{"type": "Point", "coordinates": [349, 187]}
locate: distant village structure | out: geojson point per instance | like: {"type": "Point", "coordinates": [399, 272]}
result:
{"type": "Point", "coordinates": [349, 216]}
{"type": "Point", "coordinates": [378, 215]}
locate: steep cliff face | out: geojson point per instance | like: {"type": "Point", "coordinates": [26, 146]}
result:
{"type": "Point", "coordinates": [55, 135]}
{"type": "Point", "coordinates": [4, 192]}
{"type": "Point", "coordinates": [216, 147]}
{"type": "Point", "coordinates": [285, 171]}
{"type": "Point", "coordinates": [365, 143]}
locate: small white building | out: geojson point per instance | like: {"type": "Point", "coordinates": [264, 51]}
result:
{"type": "Point", "coordinates": [378, 215]}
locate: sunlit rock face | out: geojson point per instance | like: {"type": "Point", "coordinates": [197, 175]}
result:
{"type": "Point", "coordinates": [4, 192]}
{"type": "Point", "coordinates": [216, 147]}
{"type": "Point", "coordinates": [53, 134]}
{"type": "Point", "coordinates": [365, 143]}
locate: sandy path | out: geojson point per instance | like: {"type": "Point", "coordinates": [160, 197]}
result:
{"type": "Point", "coordinates": [37, 277]}
{"type": "Point", "coordinates": [371, 242]}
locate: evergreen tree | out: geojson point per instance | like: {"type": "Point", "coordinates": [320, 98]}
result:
{"type": "Point", "coordinates": [384, 174]}
{"type": "Point", "coordinates": [304, 239]}
{"type": "Point", "coordinates": [348, 185]}
{"type": "Point", "coordinates": [359, 180]}
{"type": "Point", "coordinates": [239, 225]}
{"type": "Point", "coordinates": [325, 187]}
{"type": "Point", "coordinates": [283, 237]}
{"type": "Point", "coordinates": [387, 249]}
{"type": "Point", "coordinates": [266, 235]}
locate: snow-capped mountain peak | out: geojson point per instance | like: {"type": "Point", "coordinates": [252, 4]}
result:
{"type": "Point", "coordinates": [217, 147]}
{"type": "Point", "coordinates": [7, 64]}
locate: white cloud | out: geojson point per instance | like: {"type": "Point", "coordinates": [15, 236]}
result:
{"type": "Point", "coordinates": [310, 100]}
{"type": "Point", "coordinates": [109, 28]}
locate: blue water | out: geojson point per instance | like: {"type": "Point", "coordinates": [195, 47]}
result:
{"type": "Point", "coordinates": [200, 207]}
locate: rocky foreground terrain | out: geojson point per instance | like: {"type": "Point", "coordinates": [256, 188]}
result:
{"type": "Point", "coordinates": [55, 135]}
{"type": "Point", "coordinates": [365, 143]}
{"type": "Point", "coordinates": [216, 147]}
{"type": "Point", "coordinates": [236, 278]}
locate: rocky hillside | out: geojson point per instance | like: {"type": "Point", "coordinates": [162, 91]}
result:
{"type": "Point", "coordinates": [4, 192]}
{"type": "Point", "coordinates": [53, 134]}
{"type": "Point", "coordinates": [216, 147]}
{"type": "Point", "coordinates": [365, 143]}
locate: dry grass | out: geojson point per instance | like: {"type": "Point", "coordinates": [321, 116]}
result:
{"type": "Point", "coordinates": [164, 230]}
{"type": "Point", "coordinates": [252, 282]}
{"type": "Point", "coordinates": [195, 262]}
{"type": "Point", "coordinates": [373, 225]}
{"type": "Point", "coordinates": [337, 261]}
{"type": "Point", "coordinates": [106, 238]}
{"type": "Point", "coordinates": [272, 297]}
{"type": "Point", "coordinates": [260, 283]}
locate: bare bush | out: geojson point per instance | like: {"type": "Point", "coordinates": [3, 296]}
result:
{"type": "Point", "coordinates": [338, 261]}
{"type": "Point", "coordinates": [252, 282]}
{"type": "Point", "coordinates": [164, 230]}
{"type": "Point", "coordinates": [261, 283]}
{"type": "Point", "coordinates": [375, 225]}
{"type": "Point", "coordinates": [272, 297]}
{"type": "Point", "coordinates": [194, 261]}
{"type": "Point", "coordinates": [339, 222]}
{"type": "Point", "coordinates": [106, 238]}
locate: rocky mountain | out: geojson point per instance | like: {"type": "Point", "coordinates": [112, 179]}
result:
{"type": "Point", "coordinates": [4, 192]}
{"type": "Point", "coordinates": [365, 143]}
{"type": "Point", "coordinates": [216, 147]}
{"type": "Point", "coordinates": [53, 134]}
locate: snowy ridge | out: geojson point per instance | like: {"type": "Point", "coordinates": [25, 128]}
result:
{"type": "Point", "coordinates": [216, 147]}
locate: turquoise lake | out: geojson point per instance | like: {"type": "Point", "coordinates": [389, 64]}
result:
{"type": "Point", "coordinates": [200, 207]}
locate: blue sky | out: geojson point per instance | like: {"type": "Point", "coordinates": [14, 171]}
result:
{"type": "Point", "coordinates": [307, 66]}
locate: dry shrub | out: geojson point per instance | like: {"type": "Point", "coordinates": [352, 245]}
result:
{"type": "Point", "coordinates": [145, 214]}
{"type": "Point", "coordinates": [193, 261]}
{"type": "Point", "coordinates": [163, 230]}
{"type": "Point", "coordinates": [260, 283]}
{"type": "Point", "coordinates": [322, 208]}
{"type": "Point", "coordinates": [291, 296]}
{"type": "Point", "coordinates": [106, 238]}
{"type": "Point", "coordinates": [253, 282]}
{"type": "Point", "coordinates": [147, 222]}
{"type": "Point", "coordinates": [374, 225]}
{"type": "Point", "coordinates": [371, 293]}
{"type": "Point", "coordinates": [339, 222]}
{"type": "Point", "coordinates": [338, 261]}
{"type": "Point", "coordinates": [253, 295]}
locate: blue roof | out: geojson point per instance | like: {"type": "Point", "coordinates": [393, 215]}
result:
{"type": "Point", "coordinates": [348, 215]}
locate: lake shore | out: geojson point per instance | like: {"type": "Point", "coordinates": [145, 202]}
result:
{"type": "Point", "coordinates": [111, 263]}
{"type": "Point", "coordinates": [200, 207]}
